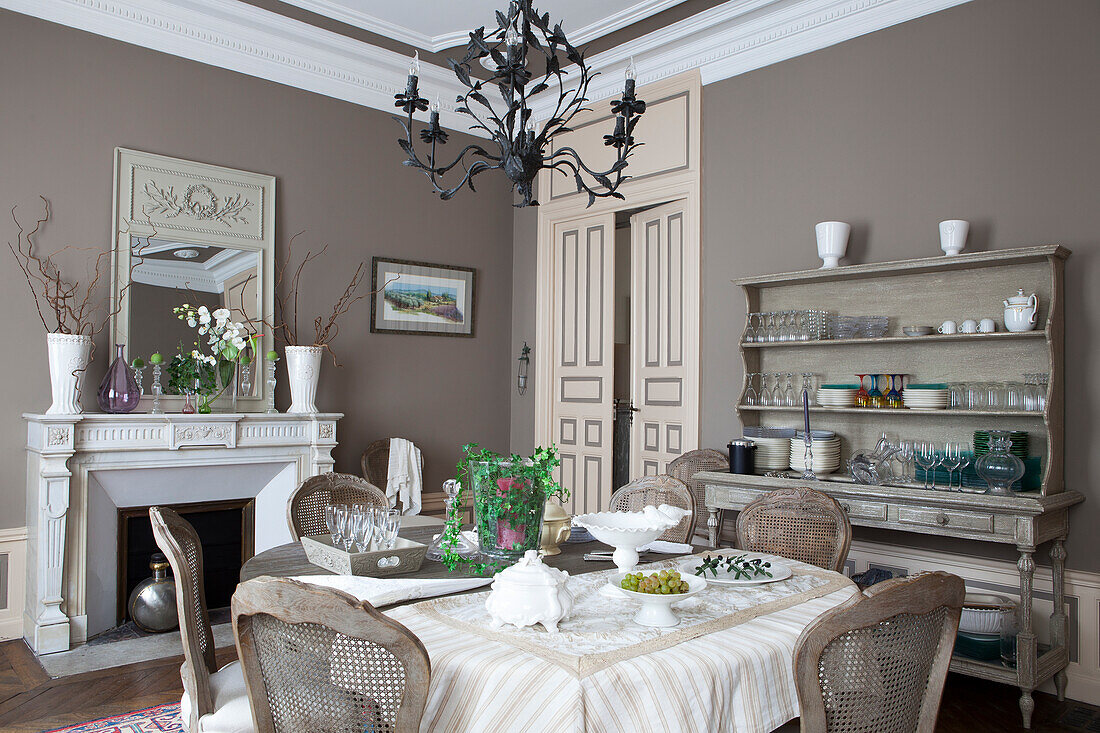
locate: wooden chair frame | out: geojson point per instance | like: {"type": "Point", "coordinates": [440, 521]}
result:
{"type": "Point", "coordinates": [293, 602]}
{"type": "Point", "coordinates": [798, 500]}
{"type": "Point", "coordinates": [918, 595]}
{"type": "Point", "coordinates": [172, 533]}
{"type": "Point", "coordinates": [375, 462]}
{"type": "Point", "coordinates": [349, 489]}
{"type": "Point", "coordinates": [663, 482]}
{"type": "Point", "coordinates": [685, 467]}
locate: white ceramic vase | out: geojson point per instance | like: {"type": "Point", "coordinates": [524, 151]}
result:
{"type": "Point", "coordinates": [69, 354]}
{"type": "Point", "coordinates": [953, 235]}
{"type": "Point", "coordinates": [832, 242]}
{"type": "Point", "coordinates": [303, 366]}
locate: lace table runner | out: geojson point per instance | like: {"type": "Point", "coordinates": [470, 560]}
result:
{"type": "Point", "coordinates": [600, 631]}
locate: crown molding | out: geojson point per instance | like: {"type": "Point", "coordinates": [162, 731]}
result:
{"type": "Point", "coordinates": [743, 35]}
{"type": "Point", "coordinates": [726, 40]}
{"type": "Point", "coordinates": [253, 41]}
{"type": "Point", "coordinates": [368, 22]}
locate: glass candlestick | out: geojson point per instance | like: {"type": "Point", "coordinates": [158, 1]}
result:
{"type": "Point", "coordinates": [156, 391]}
{"type": "Point", "coordinates": [271, 387]}
{"type": "Point", "coordinates": [138, 377]}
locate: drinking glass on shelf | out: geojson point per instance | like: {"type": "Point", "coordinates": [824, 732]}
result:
{"type": "Point", "coordinates": [790, 399]}
{"type": "Point", "coordinates": [994, 396]}
{"type": "Point", "coordinates": [904, 456]}
{"type": "Point", "coordinates": [958, 396]}
{"type": "Point", "coordinates": [950, 460]}
{"type": "Point", "coordinates": [750, 330]}
{"type": "Point", "coordinates": [750, 393]}
{"type": "Point", "coordinates": [861, 395]}
{"type": "Point", "coordinates": [770, 329]}
{"type": "Point", "coordinates": [332, 524]}
{"type": "Point", "coordinates": [777, 392]}
{"type": "Point", "coordinates": [1014, 396]}
{"type": "Point", "coordinates": [925, 457]}
{"type": "Point", "coordinates": [975, 396]}
{"type": "Point", "coordinates": [893, 395]}
{"type": "Point", "coordinates": [765, 395]}
{"type": "Point", "coordinates": [874, 395]}
{"type": "Point", "coordinates": [966, 457]}
{"type": "Point", "coordinates": [1042, 381]}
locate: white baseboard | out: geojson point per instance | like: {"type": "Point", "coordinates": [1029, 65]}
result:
{"type": "Point", "coordinates": [13, 544]}
{"type": "Point", "coordinates": [1082, 595]}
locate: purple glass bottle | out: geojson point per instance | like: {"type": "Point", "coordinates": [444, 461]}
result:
{"type": "Point", "coordinates": [118, 392]}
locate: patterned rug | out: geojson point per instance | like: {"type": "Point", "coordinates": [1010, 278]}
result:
{"type": "Point", "coordinates": [161, 719]}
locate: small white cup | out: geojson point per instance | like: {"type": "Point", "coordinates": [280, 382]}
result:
{"type": "Point", "coordinates": [987, 325]}
{"type": "Point", "coordinates": [968, 326]}
{"type": "Point", "coordinates": [832, 242]}
{"type": "Point", "coordinates": [953, 235]}
{"type": "Point", "coordinates": [948, 327]}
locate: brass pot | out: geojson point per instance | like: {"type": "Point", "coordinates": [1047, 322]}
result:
{"type": "Point", "coordinates": [556, 526]}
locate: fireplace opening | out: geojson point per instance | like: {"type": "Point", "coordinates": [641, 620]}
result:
{"type": "Point", "coordinates": [225, 530]}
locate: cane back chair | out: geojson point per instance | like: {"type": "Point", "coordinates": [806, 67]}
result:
{"type": "Point", "coordinates": [305, 510]}
{"type": "Point", "coordinates": [213, 699]}
{"type": "Point", "coordinates": [799, 524]}
{"type": "Point", "coordinates": [317, 659]}
{"type": "Point", "coordinates": [654, 491]}
{"type": "Point", "coordinates": [877, 664]}
{"type": "Point", "coordinates": [686, 466]}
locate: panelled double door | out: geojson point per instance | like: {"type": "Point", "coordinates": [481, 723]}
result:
{"type": "Point", "coordinates": [663, 348]}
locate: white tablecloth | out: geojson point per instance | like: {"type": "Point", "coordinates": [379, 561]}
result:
{"type": "Point", "coordinates": [727, 667]}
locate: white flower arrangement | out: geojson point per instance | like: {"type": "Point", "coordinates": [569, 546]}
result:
{"type": "Point", "coordinates": [226, 338]}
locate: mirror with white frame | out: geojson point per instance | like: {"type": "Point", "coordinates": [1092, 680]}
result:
{"type": "Point", "coordinates": [200, 236]}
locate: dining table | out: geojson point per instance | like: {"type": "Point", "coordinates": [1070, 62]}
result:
{"type": "Point", "coordinates": [727, 666]}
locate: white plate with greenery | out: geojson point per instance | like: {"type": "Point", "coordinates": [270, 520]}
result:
{"type": "Point", "coordinates": [737, 568]}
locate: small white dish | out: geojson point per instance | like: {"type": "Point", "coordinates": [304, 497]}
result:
{"type": "Point", "coordinates": [656, 609]}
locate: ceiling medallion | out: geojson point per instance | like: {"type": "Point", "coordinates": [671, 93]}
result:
{"type": "Point", "coordinates": [523, 46]}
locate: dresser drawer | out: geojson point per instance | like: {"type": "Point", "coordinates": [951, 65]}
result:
{"type": "Point", "coordinates": [859, 509]}
{"type": "Point", "coordinates": [947, 518]}
{"type": "Point", "coordinates": [736, 496]}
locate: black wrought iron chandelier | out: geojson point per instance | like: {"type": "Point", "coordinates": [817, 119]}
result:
{"type": "Point", "coordinates": [522, 41]}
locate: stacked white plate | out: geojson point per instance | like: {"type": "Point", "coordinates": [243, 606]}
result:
{"type": "Point", "coordinates": [836, 396]}
{"type": "Point", "coordinates": [826, 458]}
{"type": "Point", "coordinates": [926, 399]}
{"type": "Point", "coordinates": [772, 454]}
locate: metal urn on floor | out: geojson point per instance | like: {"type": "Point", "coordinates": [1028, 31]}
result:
{"type": "Point", "coordinates": [152, 604]}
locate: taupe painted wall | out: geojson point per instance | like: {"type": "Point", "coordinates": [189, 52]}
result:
{"type": "Point", "coordinates": [69, 98]}
{"type": "Point", "coordinates": [987, 112]}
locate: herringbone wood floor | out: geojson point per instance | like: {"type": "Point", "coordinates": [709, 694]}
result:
{"type": "Point", "coordinates": [31, 702]}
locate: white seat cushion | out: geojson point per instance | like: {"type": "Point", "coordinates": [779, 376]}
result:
{"type": "Point", "coordinates": [231, 711]}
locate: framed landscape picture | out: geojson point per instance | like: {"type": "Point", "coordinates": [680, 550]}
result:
{"type": "Point", "coordinates": [422, 298]}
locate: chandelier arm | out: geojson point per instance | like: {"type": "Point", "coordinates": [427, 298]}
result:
{"type": "Point", "coordinates": [478, 167]}
{"type": "Point", "coordinates": [617, 168]}
{"type": "Point", "coordinates": [576, 103]}
{"type": "Point", "coordinates": [593, 194]}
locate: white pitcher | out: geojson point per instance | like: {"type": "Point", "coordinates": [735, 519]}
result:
{"type": "Point", "coordinates": [1021, 311]}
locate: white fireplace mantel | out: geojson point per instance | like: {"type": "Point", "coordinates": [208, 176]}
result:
{"type": "Point", "coordinates": [65, 452]}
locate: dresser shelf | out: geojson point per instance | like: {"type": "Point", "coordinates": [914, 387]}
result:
{"type": "Point", "coordinates": [967, 338]}
{"type": "Point", "coordinates": [929, 291]}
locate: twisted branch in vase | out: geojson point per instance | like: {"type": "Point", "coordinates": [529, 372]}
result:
{"type": "Point", "coordinates": [325, 330]}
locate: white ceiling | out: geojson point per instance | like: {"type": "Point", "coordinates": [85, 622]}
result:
{"type": "Point", "coordinates": [434, 25]}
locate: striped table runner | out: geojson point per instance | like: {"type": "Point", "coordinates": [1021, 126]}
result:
{"type": "Point", "coordinates": [727, 667]}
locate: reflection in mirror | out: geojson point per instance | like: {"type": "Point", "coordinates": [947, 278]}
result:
{"type": "Point", "coordinates": [169, 274]}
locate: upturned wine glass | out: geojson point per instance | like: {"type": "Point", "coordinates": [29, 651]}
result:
{"type": "Point", "coordinates": [750, 393]}
{"type": "Point", "coordinates": [777, 392]}
{"type": "Point", "coordinates": [790, 399]}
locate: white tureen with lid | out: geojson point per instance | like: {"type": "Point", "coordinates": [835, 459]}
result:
{"type": "Point", "coordinates": [528, 593]}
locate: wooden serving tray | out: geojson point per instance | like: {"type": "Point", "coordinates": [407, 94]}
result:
{"type": "Point", "coordinates": [405, 557]}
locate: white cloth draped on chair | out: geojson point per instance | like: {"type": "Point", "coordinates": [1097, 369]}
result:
{"type": "Point", "coordinates": [403, 477]}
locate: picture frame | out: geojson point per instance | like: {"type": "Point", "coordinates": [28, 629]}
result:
{"type": "Point", "coordinates": [422, 298]}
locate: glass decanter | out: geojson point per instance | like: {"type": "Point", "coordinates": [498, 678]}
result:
{"type": "Point", "coordinates": [999, 468]}
{"type": "Point", "coordinates": [463, 547]}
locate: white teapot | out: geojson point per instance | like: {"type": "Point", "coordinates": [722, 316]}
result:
{"type": "Point", "coordinates": [1021, 311]}
{"type": "Point", "coordinates": [529, 593]}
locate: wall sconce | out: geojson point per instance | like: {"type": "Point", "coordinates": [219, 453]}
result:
{"type": "Point", "coordinates": [524, 364]}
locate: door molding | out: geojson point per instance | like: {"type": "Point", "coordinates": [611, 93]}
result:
{"type": "Point", "coordinates": [682, 184]}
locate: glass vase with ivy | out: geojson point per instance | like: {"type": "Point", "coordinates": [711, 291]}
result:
{"type": "Point", "coordinates": [509, 494]}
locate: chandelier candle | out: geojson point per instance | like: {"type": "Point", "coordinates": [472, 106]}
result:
{"type": "Point", "coordinates": [528, 66]}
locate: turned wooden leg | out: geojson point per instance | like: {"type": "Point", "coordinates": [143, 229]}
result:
{"type": "Point", "coordinates": [712, 527]}
{"type": "Point", "coordinates": [1059, 625]}
{"type": "Point", "coordinates": [1025, 638]}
